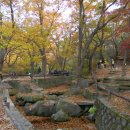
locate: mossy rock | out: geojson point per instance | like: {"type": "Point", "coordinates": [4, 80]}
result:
{"type": "Point", "coordinates": [30, 97]}
{"type": "Point", "coordinates": [60, 116]}
{"type": "Point", "coordinates": [13, 92]}
{"type": "Point", "coordinates": [20, 87]}
{"type": "Point", "coordinates": [71, 108]}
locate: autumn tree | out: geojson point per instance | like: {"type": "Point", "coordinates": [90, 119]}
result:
{"type": "Point", "coordinates": [8, 30]}
{"type": "Point", "coordinates": [46, 21]}
{"type": "Point", "coordinates": [65, 45]}
{"type": "Point", "coordinates": [99, 12]}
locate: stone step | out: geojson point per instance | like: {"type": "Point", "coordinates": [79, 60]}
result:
{"type": "Point", "coordinates": [116, 79]}
{"type": "Point", "coordinates": [115, 87]}
{"type": "Point", "coordinates": [84, 104]}
{"type": "Point", "coordinates": [87, 102]}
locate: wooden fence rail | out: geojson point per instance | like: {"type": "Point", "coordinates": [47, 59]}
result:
{"type": "Point", "coordinates": [113, 93]}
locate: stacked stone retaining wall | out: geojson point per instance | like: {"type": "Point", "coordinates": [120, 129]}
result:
{"type": "Point", "coordinates": [107, 118]}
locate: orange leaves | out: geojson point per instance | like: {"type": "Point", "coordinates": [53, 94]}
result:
{"type": "Point", "coordinates": [89, 6]}
{"type": "Point", "coordinates": [126, 43]}
{"type": "Point", "coordinates": [124, 29]}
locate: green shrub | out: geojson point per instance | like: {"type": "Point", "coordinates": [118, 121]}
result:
{"type": "Point", "coordinates": [92, 110]}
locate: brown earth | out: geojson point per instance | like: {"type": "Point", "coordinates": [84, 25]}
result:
{"type": "Point", "coordinates": [121, 105]}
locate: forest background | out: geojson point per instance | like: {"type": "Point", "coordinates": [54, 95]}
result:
{"type": "Point", "coordinates": [70, 35]}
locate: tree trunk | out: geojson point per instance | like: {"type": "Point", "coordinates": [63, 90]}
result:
{"type": "Point", "coordinates": [101, 53]}
{"type": "Point", "coordinates": [2, 56]}
{"type": "Point", "coordinates": [116, 49]}
{"type": "Point", "coordinates": [90, 64]}
{"type": "Point", "coordinates": [81, 24]}
{"type": "Point", "coordinates": [43, 54]}
{"type": "Point", "coordinates": [42, 50]}
{"type": "Point", "coordinates": [44, 65]}
{"type": "Point", "coordinates": [32, 67]}
{"type": "Point", "coordinates": [0, 25]}
{"type": "Point", "coordinates": [2, 51]}
{"type": "Point", "coordinates": [91, 71]}
{"type": "Point", "coordinates": [12, 13]}
{"type": "Point", "coordinates": [1, 63]}
{"type": "Point", "coordinates": [63, 64]}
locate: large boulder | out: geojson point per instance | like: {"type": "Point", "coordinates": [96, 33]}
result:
{"type": "Point", "coordinates": [42, 108]}
{"type": "Point", "coordinates": [60, 116]}
{"type": "Point", "coordinates": [72, 109]}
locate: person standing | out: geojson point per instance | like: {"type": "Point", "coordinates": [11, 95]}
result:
{"type": "Point", "coordinates": [31, 76]}
{"type": "Point", "coordinates": [1, 76]}
{"type": "Point", "coordinates": [113, 63]}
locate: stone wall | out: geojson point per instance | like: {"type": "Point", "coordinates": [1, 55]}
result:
{"type": "Point", "coordinates": [107, 118]}
{"type": "Point", "coordinates": [15, 116]}
{"type": "Point", "coordinates": [53, 81]}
